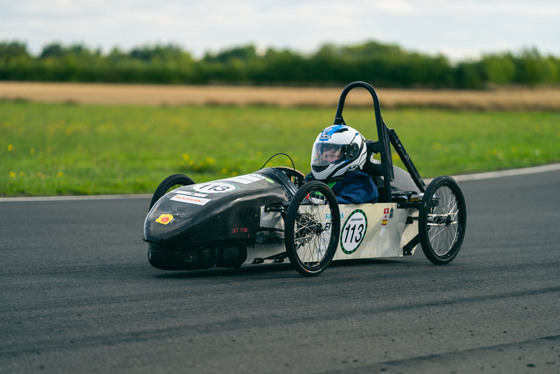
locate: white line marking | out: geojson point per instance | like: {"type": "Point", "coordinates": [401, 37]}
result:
{"type": "Point", "coordinates": [507, 173]}
{"type": "Point", "coordinates": [73, 198]}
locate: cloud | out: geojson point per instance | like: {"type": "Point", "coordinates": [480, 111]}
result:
{"type": "Point", "coordinates": [434, 26]}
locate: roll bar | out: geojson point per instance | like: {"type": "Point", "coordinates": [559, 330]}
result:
{"type": "Point", "coordinates": [385, 137]}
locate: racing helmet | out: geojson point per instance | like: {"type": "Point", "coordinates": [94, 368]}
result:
{"type": "Point", "coordinates": [337, 150]}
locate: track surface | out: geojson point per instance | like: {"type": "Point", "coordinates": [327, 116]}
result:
{"type": "Point", "coordinates": [78, 295]}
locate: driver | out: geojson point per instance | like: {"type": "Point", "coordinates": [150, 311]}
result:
{"type": "Point", "coordinates": [339, 153]}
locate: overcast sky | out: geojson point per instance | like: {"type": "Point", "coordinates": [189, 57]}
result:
{"type": "Point", "coordinates": [458, 29]}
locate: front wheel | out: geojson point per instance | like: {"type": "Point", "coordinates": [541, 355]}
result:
{"type": "Point", "coordinates": [168, 184]}
{"type": "Point", "coordinates": [312, 228]}
{"type": "Point", "coordinates": [442, 220]}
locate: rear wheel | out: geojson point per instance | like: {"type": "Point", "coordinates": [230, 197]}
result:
{"type": "Point", "coordinates": [442, 220]}
{"type": "Point", "coordinates": [312, 228]}
{"type": "Point", "coordinates": [169, 184]}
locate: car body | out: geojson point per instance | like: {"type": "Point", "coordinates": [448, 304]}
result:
{"type": "Point", "coordinates": [273, 215]}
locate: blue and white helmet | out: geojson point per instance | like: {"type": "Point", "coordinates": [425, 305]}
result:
{"type": "Point", "coordinates": [337, 150]}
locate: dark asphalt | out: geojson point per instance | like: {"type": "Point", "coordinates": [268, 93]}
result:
{"type": "Point", "coordinates": [78, 295]}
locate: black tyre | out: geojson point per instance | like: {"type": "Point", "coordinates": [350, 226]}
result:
{"type": "Point", "coordinates": [295, 176]}
{"type": "Point", "coordinates": [442, 221]}
{"type": "Point", "coordinates": [169, 184]}
{"type": "Point", "coordinates": [312, 228]}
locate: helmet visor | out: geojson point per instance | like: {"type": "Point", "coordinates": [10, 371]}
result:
{"type": "Point", "coordinates": [326, 154]}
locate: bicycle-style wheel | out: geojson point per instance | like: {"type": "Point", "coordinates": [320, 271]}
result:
{"type": "Point", "coordinates": [312, 228]}
{"type": "Point", "coordinates": [442, 220]}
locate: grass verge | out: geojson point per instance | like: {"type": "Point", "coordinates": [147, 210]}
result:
{"type": "Point", "coordinates": [65, 149]}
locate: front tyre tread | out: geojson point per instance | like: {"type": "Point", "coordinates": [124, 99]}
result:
{"type": "Point", "coordinates": [167, 184]}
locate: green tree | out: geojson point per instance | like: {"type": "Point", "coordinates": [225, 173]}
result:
{"type": "Point", "coordinates": [386, 65]}
{"type": "Point", "coordinates": [242, 53]}
{"type": "Point", "coordinates": [469, 74]}
{"type": "Point", "coordinates": [13, 51]}
{"type": "Point", "coordinates": [499, 68]}
{"type": "Point", "coordinates": [528, 67]}
{"type": "Point", "coordinates": [15, 61]}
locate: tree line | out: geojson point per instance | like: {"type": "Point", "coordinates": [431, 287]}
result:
{"type": "Point", "coordinates": [385, 65]}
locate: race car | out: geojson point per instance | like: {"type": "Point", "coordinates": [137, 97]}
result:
{"type": "Point", "coordinates": [274, 215]}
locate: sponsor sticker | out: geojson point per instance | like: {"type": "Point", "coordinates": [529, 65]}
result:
{"type": "Point", "coordinates": [246, 179]}
{"type": "Point", "coordinates": [328, 216]}
{"type": "Point", "coordinates": [164, 219]}
{"type": "Point", "coordinates": [387, 214]}
{"type": "Point", "coordinates": [190, 199]}
{"type": "Point", "coordinates": [353, 231]}
{"type": "Point", "coordinates": [190, 193]}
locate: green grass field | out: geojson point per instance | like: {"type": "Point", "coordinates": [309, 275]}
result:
{"type": "Point", "coordinates": [64, 149]}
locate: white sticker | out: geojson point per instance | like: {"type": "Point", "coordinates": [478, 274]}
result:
{"type": "Point", "coordinates": [245, 179]}
{"type": "Point", "coordinates": [190, 199]}
{"type": "Point", "coordinates": [353, 232]}
{"type": "Point", "coordinates": [190, 193]}
{"type": "Point", "coordinates": [214, 187]}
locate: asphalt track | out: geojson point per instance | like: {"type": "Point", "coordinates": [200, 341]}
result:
{"type": "Point", "coordinates": [78, 295]}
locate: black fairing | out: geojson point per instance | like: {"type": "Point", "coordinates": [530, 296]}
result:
{"type": "Point", "coordinates": [217, 214]}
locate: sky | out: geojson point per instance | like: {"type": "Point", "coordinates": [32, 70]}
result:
{"type": "Point", "coordinates": [460, 29]}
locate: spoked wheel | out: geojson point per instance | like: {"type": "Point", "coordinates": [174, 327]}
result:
{"type": "Point", "coordinates": [442, 221]}
{"type": "Point", "coordinates": [312, 228]}
{"type": "Point", "coordinates": [169, 184]}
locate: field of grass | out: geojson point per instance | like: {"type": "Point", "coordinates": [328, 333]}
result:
{"type": "Point", "coordinates": [64, 149]}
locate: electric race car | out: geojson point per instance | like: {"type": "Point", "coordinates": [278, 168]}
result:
{"type": "Point", "coordinates": [273, 215]}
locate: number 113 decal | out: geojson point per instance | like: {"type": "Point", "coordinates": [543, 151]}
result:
{"type": "Point", "coordinates": [353, 232]}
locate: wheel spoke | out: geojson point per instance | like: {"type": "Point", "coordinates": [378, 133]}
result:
{"type": "Point", "coordinates": [312, 236]}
